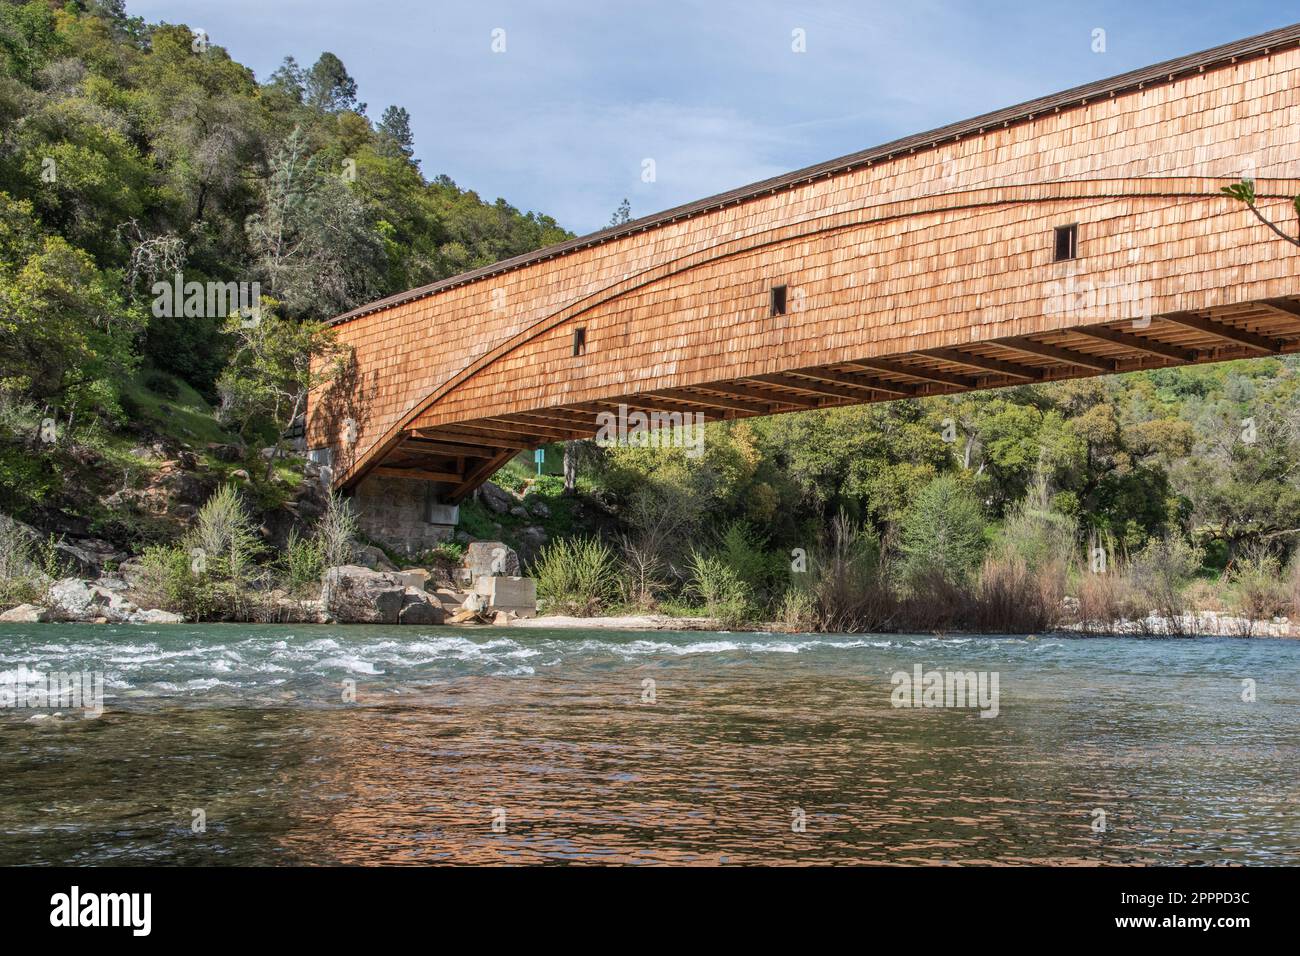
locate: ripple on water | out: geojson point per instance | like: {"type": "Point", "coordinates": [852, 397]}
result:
{"type": "Point", "coordinates": [555, 728]}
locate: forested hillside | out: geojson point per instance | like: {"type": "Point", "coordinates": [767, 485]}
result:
{"type": "Point", "coordinates": [131, 153]}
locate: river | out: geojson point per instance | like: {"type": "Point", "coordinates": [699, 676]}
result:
{"type": "Point", "coordinates": [231, 744]}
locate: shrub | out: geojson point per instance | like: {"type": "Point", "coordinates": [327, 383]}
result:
{"type": "Point", "coordinates": [448, 553]}
{"type": "Point", "coordinates": [1161, 572]}
{"type": "Point", "coordinates": [942, 534]}
{"type": "Point", "coordinates": [719, 588]}
{"type": "Point", "coordinates": [576, 576]}
{"type": "Point", "coordinates": [796, 611]}
{"type": "Point", "coordinates": [168, 580]}
{"type": "Point", "coordinates": [762, 571]}
{"type": "Point", "coordinates": [22, 578]}
{"type": "Point", "coordinates": [302, 562]}
{"type": "Point", "coordinates": [1106, 601]}
{"type": "Point", "coordinates": [1012, 598]}
{"type": "Point", "coordinates": [1294, 583]}
{"type": "Point", "coordinates": [335, 535]}
{"type": "Point", "coordinates": [222, 548]}
{"type": "Point", "coordinates": [642, 580]}
{"type": "Point", "coordinates": [1257, 587]}
{"type": "Point", "coordinates": [163, 385]}
{"type": "Point", "coordinates": [847, 583]}
{"type": "Point", "coordinates": [1036, 533]}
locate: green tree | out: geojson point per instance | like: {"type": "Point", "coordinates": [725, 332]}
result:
{"type": "Point", "coordinates": [396, 127]}
{"type": "Point", "coordinates": [313, 241]}
{"type": "Point", "coordinates": [329, 87]}
{"type": "Point", "coordinates": [66, 336]}
{"type": "Point", "coordinates": [942, 534]}
{"type": "Point", "coordinates": [276, 362]}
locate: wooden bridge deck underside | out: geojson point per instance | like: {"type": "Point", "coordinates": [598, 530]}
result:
{"type": "Point", "coordinates": [465, 454]}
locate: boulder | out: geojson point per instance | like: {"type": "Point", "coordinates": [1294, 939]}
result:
{"type": "Point", "coordinates": [25, 614]}
{"type": "Point", "coordinates": [357, 595]}
{"type": "Point", "coordinates": [467, 617]}
{"type": "Point", "coordinates": [496, 498]}
{"type": "Point", "coordinates": [131, 571]}
{"type": "Point", "coordinates": [155, 616]}
{"type": "Point", "coordinates": [88, 556]}
{"type": "Point", "coordinates": [504, 618]}
{"type": "Point", "coordinates": [73, 599]}
{"type": "Point", "coordinates": [539, 508]}
{"type": "Point", "coordinates": [485, 558]}
{"type": "Point", "coordinates": [531, 541]}
{"type": "Point", "coordinates": [157, 451]}
{"type": "Point", "coordinates": [281, 607]}
{"type": "Point", "coordinates": [227, 453]}
{"type": "Point", "coordinates": [519, 511]}
{"type": "Point", "coordinates": [368, 556]}
{"type": "Point", "coordinates": [419, 608]}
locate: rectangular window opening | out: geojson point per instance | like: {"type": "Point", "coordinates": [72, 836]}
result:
{"type": "Point", "coordinates": [580, 341]}
{"type": "Point", "coordinates": [778, 300]}
{"type": "Point", "coordinates": [1067, 243]}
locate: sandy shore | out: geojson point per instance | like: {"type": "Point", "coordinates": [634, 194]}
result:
{"type": "Point", "coordinates": [632, 622]}
{"type": "Point", "coordinates": [1207, 624]}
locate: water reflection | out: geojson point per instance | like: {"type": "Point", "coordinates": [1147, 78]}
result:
{"type": "Point", "coordinates": [736, 746]}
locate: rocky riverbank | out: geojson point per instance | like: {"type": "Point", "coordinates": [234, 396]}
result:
{"type": "Point", "coordinates": [476, 593]}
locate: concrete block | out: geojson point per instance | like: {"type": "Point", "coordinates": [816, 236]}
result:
{"type": "Point", "coordinates": [444, 515]}
{"type": "Point", "coordinates": [414, 578]}
{"type": "Point", "coordinates": [511, 594]}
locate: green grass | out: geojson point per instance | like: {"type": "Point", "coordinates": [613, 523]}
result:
{"type": "Point", "coordinates": [187, 417]}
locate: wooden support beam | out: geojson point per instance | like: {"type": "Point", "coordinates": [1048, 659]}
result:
{"type": "Point", "coordinates": [643, 405]}
{"type": "Point", "coordinates": [425, 447]}
{"type": "Point", "coordinates": [549, 419]}
{"type": "Point", "coordinates": [457, 433]}
{"type": "Point", "coordinates": [505, 426]}
{"type": "Point", "coordinates": [988, 364]}
{"type": "Point", "coordinates": [570, 416]}
{"type": "Point", "coordinates": [713, 401]}
{"type": "Point", "coordinates": [864, 383]}
{"type": "Point", "coordinates": [911, 371]}
{"type": "Point", "coordinates": [389, 471]}
{"type": "Point", "coordinates": [1251, 340]}
{"type": "Point", "coordinates": [1138, 343]}
{"type": "Point", "coordinates": [1282, 307]}
{"type": "Point", "coordinates": [1098, 363]}
{"type": "Point", "coordinates": [479, 475]}
{"type": "Point", "coordinates": [651, 402]}
{"type": "Point", "coordinates": [799, 383]}
{"type": "Point", "coordinates": [771, 398]}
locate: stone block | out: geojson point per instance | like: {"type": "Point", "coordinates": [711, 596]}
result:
{"type": "Point", "coordinates": [490, 558]}
{"type": "Point", "coordinates": [518, 595]}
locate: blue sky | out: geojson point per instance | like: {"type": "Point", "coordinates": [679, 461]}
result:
{"type": "Point", "coordinates": [713, 92]}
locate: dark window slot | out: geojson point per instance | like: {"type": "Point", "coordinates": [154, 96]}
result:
{"type": "Point", "coordinates": [1067, 243]}
{"type": "Point", "coordinates": [580, 341]}
{"type": "Point", "coordinates": [778, 300]}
